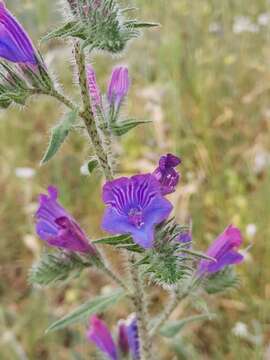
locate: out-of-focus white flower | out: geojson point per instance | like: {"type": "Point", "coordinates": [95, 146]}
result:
{"type": "Point", "coordinates": [261, 161]}
{"type": "Point", "coordinates": [84, 170]}
{"type": "Point", "coordinates": [215, 27]}
{"type": "Point", "coordinates": [251, 230]}
{"type": "Point", "coordinates": [25, 172]}
{"type": "Point", "coordinates": [244, 24]}
{"type": "Point", "coordinates": [240, 329]}
{"type": "Point", "coordinates": [264, 19]}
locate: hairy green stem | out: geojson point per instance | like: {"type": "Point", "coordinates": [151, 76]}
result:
{"type": "Point", "coordinates": [171, 306]}
{"type": "Point", "coordinates": [88, 115]}
{"type": "Point", "coordinates": [176, 298]}
{"type": "Point", "coordinates": [140, 306]}
{"type": "Point", "coordinates": [109, 272]}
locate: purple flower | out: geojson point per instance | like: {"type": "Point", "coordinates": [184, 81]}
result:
{"type": "Point", "coordinates": [57, 227]}
{"type": "Point", "coordinates": [99, 334]}
{"type": "Point", "coordinates": [224, 250]}
{"type": "Point", "coordinates": [134, 206]}
{"type": "Point", "coordinates": [94, 90]}
{"type": "Point", "coordinates": [123, 344]}
{"type": "Point", "coordinates": [15, 44]}
{"type": "Point", "coordinates": [132, 335]}
{"type": "Point", "coordinates": [118, 86]}
{"type": "Point", "coordinates": [166, 174]}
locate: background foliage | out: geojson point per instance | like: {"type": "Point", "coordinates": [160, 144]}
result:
{"type": "Point", "coordinates": [203, 78]}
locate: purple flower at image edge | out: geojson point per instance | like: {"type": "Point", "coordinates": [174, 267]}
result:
{"type": "Point", "coordinates": [118, 86]}
{"type": "Point", "coordinates": [224, 251]}
{"type": "Point", "coordinates": [15, 44]}
{"type": "Point", "coordinates": [100, 335]}
{"type": "Point", "coordinates": [166, 174]}
{"type": "Point", "coordinates": [57, 227]}
{"type": "Point", "coordinates": [134, 206]}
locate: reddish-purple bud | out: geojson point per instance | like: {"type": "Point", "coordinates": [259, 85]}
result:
{"type": "Point", "coordinates": [118, 86]}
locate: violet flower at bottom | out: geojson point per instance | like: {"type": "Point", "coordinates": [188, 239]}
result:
{"type": "Point", "coordinates": [100, 335]}
{"type": "Point", "coordinates": [134, 206]}
{"type": "Point", "coordinates": [224, 251]}
{"type": "Point", "coordinates": [130, 328]}
{"type": "Point", "coordinates": [57, 227]}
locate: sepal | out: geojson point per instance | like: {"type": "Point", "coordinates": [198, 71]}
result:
{"type": "Point", "coordinates": [123, 127]}
{"type": "Point", "coordinates": [222, 281]}
{"type": "Point", "coordinates": [54, 268]}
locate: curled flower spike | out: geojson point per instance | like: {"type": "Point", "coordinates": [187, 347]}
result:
{"type": "Point", "coordinates": [100, 335]}
{"type": "Point", "coordinates": [134, 206]}
{"type": "Point", "coordinates": [118, 86]}
{"type": "Point", "coordinates": [94, 90]}
{"type": "Point", "coordinates": [57, 227]}
{"type": "Point", "coordinates": [15, 44]}
{"type": "Point", "coordinates": [166, 174]}
{"type": "Point", "coordinates": [224, 250]}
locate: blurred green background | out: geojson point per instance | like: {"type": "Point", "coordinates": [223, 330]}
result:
{"type": "Point", "coordinates": [203, 78]}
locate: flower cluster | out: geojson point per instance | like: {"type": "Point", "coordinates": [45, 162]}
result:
{"type": "Point", "coordinates": [127, 342]}
{"type": "Point", "coordinates": [137, 209]}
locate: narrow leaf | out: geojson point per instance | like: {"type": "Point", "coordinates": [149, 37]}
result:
{"type": "Point", "coordinates": [126, 126]}
{"type": "Point", "coordinates": [58, 135]}
{"type": "Point", "coordinates": [72, 28]}
{"type": "Point", "coordinates": [198, 254]}
{"type": "Point", "coordinates": [114, 240]}
{"type": "Point", "coordinates": [172, 328]}
{"type": "Point", "coordinates": [145, 24]}
{"type": "Point", "coordinates": [94, 306]}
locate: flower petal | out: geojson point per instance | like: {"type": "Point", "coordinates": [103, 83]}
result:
{"type": "Point", "coordinates": [99, 334]}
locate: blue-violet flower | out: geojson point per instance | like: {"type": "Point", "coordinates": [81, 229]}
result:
{"type": "Point", "coordinates": [134, 206]}
{"type": "Point", "coordinates": [15, 44]}
{"type": "Point", "coordinates": [224, 251]}
{"type": "Point", "coordinates": [128, 337]}
{"type": "Point", "coordinates": [57, 227]}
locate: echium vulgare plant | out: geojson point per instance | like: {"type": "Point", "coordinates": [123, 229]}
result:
{"type": "Point", "coordinates": [138, 213]}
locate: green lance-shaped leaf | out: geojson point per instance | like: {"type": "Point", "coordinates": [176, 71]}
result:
{"type": "Point", "coordinates": [120, 241]}
{"type": "Point", "coordinates": [94, 306]}
{"type": "Point", "coordinates": [58, 135]}
{"type": "Point", "coordinates": [198, 254]}
{"type": "Point", "coordinates": [125, 126]}
{"type": "Point", "coordinates": [172, 328]}
{"type": "Point", "coordinates": [141, 24]}
{"type": "Point", "coordinates": [72, 28]}
{"type": "Point", "coordinates": [115, 240]}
